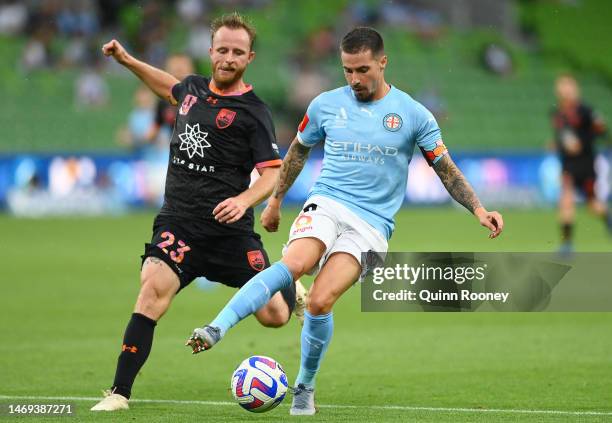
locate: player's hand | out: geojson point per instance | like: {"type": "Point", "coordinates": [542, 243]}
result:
{"type": "Point", "coordinates": [115, 49]}
{"type": "Point", "coordinates": [270, 218]}
{"type": "Point", "coordinates": [491, 220]}
{"type": "Point", "coordinates": [230, 210]}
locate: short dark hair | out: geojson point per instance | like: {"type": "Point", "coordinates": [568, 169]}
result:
{"type": "Point", "coordinates": [361, 39]}
{"type": "Point", "coordinates": [233, 21]}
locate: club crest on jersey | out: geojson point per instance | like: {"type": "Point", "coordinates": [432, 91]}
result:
{"type": "Point", "coordinates": [392, 122]}
{"type": "Point", "coordinates": [256, 260]}
{"type": "Point", "coordinates": [189, 101]}
{"type": "Point", "coordinates": [225, 117]}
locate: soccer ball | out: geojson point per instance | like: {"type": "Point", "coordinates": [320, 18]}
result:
{"type": "Point", "coordinates": [259, 384]}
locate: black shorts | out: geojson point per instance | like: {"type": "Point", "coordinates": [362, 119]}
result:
{"type": "Point", "coordinates": [583, 179]}
{"type": "Point", "coordinates": [229, 259]}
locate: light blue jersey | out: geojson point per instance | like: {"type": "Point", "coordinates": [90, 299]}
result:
{"type": "Point", "coordinates": [368, 147]}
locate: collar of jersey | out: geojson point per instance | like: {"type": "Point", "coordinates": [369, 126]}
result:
{"type": "Point", "coordinates": [214, 90]}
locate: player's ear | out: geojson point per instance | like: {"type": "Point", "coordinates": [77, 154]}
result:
{"type": "Point", "coordinates": [251, 56]}
{"type": "Point", "coordinates": [383, 62]}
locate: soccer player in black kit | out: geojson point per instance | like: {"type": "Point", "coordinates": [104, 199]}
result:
{"type": "Point", "coordinates": [205, 227]}
{"type": "Point", "coordinates": [576, 127]}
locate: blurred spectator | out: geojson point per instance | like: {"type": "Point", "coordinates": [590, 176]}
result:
{"type": "Point", "coordinates": [198, 42]}
{"type": "Point", "coordinates": [153, 33]}
{"type": "Point", "coordinates": [427, 24]}
{"type": "Point", "coordinates": [13, 17]}
{"type": "Point", "coordinates": [136, 135]}
{"type": "Point", "coordinates": [91, 89]}
{"type": "Point", "coordinates": [34, 55]}
{"type": "Point", "coordinates": [362, 13]}
{"type": "Point", "coordinates": [497, 59]}
{"type": "Point", "coordinates": [191, 11]}
{"type": "Point", "coordinates": [323, 44]}
{"type": "Point", "coordinates": [78, 18]}
{"type": "Point", "coordinates": [76, 52]}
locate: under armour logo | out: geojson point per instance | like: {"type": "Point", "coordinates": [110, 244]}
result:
{"type": "Point", "coordinates": [132, 349]}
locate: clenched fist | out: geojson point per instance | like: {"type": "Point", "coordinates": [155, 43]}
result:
{"type": "Point", "coordinates": [115, 49]}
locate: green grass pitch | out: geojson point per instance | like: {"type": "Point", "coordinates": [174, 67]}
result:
{"type": "Point", "coordinates": [68, 288]}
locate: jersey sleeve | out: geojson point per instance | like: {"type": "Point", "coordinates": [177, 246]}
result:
{"type": "Point", "coordinates": [310, 132]}
{"type": "Point", "coordinates": [179, 91]}
{"type": "Point", "coordinates": [262, 139]}
{"type": "Point", "coordinates": [428, 136]}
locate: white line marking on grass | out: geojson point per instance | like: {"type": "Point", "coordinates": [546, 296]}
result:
{"type": "Point", "coordinates": [337, 406]}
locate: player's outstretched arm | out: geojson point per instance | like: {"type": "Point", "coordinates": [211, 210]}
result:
{"type": "Point", "coordinates": [461, 191]}
{"type": "Point", "coordinates": [293, 163]}
{"type": "Point", "coordinates": [157, 80]}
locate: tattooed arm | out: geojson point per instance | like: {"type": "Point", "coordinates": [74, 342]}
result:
{"type": "Point", "coordinates": [461, 191]}
{"type": "Point", "coordinates": [293, 163]}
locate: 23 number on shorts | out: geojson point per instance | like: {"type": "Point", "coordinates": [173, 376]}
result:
{"type": "Point", "coordinates": [177, 250]}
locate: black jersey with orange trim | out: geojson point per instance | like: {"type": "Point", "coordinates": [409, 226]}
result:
{"type": "Point", "coordinates": [216, 143]}
{"type": "Point", "coordinates": [580, 123]}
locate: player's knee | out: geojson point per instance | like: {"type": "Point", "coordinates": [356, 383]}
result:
{"type": "Point", "coordinates": [296, 266]}
{"type": "Point", "coordinates": [273, 318]}
{"type": "Point", "coordinates": [273, 322]}
{"type": "Point", "coordinates": [320, 304]}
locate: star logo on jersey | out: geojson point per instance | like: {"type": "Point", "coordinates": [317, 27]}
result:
{"type": "Point", "coordinates": [392, 122]}
{"type": "Point", "coordinates": [193, 140]}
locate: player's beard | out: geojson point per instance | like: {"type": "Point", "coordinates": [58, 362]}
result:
{"type": "Point", "coordinates": [364, 94]}
{"type": "Point", "coordinates": [225, 79]}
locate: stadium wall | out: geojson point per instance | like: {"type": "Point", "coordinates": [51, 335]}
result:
{"type": "Point", "coordinates": [59, 184]}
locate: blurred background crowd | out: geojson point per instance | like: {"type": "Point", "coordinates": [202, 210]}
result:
{"type": "Point", "coordinates": [81, 133]}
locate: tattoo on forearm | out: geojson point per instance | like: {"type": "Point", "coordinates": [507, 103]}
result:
{"type": "Point", "coordinates": [293, 163]}
{"type": "Point", "coordinates": [456, 184]}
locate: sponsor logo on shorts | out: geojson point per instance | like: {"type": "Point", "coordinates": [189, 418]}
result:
{"type": "Point", "coordinates": [302, 224]}
{"type": "Point", "coordinates": [256, 260]}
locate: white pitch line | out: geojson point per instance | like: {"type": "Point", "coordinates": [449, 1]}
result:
{"type": "Point", "coordinates": [374, 407]}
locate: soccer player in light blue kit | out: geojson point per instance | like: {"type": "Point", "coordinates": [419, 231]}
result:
{"type": "Point", "coordinates": [370, 129]}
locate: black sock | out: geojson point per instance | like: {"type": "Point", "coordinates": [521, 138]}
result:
{"type": "Point", "coordinates": [289, 296]}
{"type": "Point", "coordinates": [566, 232]}
{"type": "Point", "coordinates": [134, 352]}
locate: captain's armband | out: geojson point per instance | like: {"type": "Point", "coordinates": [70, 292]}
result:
{"type": "Point", "coordinates": [434, 152]}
